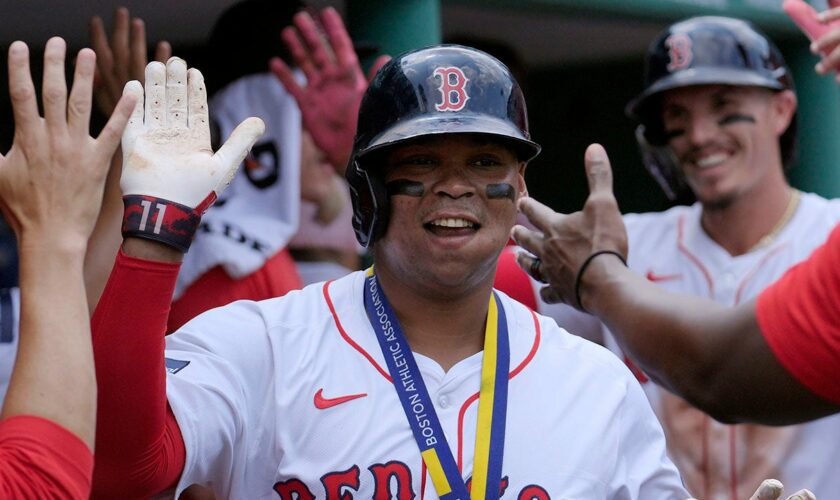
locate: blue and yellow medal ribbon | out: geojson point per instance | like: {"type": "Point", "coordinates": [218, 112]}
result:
{"type": "Point", "coordinates": [492, 405]}
{"type": "Point", "coordinates": [420, 412]}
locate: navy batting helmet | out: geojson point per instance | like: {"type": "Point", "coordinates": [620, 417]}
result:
{"type": "Point", "coordinates": [703, 51]}
{"type": "Point", "coordinates": [445, 89]}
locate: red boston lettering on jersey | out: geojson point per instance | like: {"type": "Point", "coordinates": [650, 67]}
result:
{"type": "Point", "coordinates": [533, 492]}
{"type": "Point", "coordinates": [336, 484]}
{"type": "Point", "coordinates": [384, 487]}
{"type": "Point", "coordinates": [452, 82]}
{"type": "Point", "coordinates": [323, 403]}
{"type": "Point", "coordinates": [679, 51]}
{"type": "Point", "coordinates": [293, 489]}
{"type": "Point", "coordinates": [651, 276]}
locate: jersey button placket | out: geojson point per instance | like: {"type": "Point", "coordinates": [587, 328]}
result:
{"type": "Point", "coordinates": [443, 401]}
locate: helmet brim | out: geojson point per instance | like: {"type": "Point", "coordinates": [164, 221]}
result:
{"type": "Point", "coordinates": [464, 123]}
{"type": "Point", "coordinates": [638, 107]}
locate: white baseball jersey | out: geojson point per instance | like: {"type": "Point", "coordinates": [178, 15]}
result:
{"type": "Point", "coordinates": [720, 461]}
{"type": "Point", "coordinates": [9, 322]}
{"type": "Point", "coordinates": [290, 398]}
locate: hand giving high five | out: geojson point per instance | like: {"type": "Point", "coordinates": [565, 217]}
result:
{"type": "Point", "coordinates": [329, 103]}
{"type": "Point", "coordinates": [170, 174]}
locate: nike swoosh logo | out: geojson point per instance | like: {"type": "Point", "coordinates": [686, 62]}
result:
{"type": "Point", "coordinates": [323, 403]}
{"type": "Point", "coordinates": [662, 277]}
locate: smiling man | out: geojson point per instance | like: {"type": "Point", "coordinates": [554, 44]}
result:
{"type": "Point", "coordinates": [718, 121]}
{"type": "Point", "coordinates": [411, 380]}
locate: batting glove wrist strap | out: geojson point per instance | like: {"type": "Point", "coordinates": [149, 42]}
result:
{"type": "Point", "coordinates": [162, 220]}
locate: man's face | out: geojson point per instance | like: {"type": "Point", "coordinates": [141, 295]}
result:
{"type": "Point", "coordinates": [726, 138]}
{"type": "Point", "coordinates": [453, 203]}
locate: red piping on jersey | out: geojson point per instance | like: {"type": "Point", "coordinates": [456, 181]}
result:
{"type": "Point", "coordinates": [422, 479]}
{"type": "Point", "coordinates": [706, 483]}
{"type": "Point", "coordinates": [733, 470]}
{"type": "Point", "coordinates": [347, 338]}
{"type": "Point", "coordinates": [693, 258]}
{"type": "Point", "coordinates": [733, 455]}
{"type": "Point", "coordinates": [755, 270]}
{"type": "Point", "coordinates": [472, 399]}
{"type": "Point", "coordinates": [467, 403]}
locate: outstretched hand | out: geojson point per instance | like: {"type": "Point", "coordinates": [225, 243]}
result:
{"type": "Point", "coordinates": [563, 243]}
{"type": "Point", "coordinates": [121, 59]}
{"type": "Point", "coordinates": [330, 100]}
{"type": "Point", "coordinates": [170, 175]}
{"type": "Point", "coordinates": [51, 180]}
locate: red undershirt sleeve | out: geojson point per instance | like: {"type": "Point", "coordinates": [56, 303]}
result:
{"type": "Point", "coordinates": [799, 316]}
{"type": "Point", "coordinates": [41, 459]}
{"type": "Point", "coordinates": [139, 447]}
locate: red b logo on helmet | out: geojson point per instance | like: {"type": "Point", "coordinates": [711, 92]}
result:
{"type": "Point", "coordinates": [679, 50]}
{"type": "Point", "coordinates": [452, 82]}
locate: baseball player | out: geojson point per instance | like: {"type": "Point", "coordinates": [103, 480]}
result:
{"type": "Point", "coordinates": [718, 116]}
{"type": "Point", "coordinates": [50, 186]}
{"type": "Point", "coordinates": [413, 379]}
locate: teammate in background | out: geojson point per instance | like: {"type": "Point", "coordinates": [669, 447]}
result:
{"type": "Point", "coordinates": [50, 186]}
{"type": "Point", "coordinates": [436, 170]}
{"type": "Point", "coordinates": [718, 117]}
{"type": "Point", "coordinates": [240, 251]}
{"type": "Point", "coordinates": [771, 360]}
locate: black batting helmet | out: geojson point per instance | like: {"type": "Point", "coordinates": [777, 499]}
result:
{"type": "Point", "coordinates": [704, 51]}
{"type": "Point", "coordinates": [444, 89]}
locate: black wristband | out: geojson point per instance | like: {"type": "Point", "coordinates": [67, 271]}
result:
{"type": "Point", "coordinates": [162, 220]}
{"type": "Point", "coordinates": [583, 268]}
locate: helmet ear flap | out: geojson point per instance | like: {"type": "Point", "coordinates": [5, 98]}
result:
{"type": "Point", "coordinates": [662, 164]}
{"type": "Point", "coordinates": [370, 203]}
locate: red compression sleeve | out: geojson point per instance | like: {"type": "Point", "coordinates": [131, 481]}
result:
{"type": "Point", "coordinates": [41, 459]}
{"type": "Point", "coordinates": [799, 316]}
{"type": "Point", "coordinates": [139, 448]}
{"type": "Point", "coordinates": [215, 288]}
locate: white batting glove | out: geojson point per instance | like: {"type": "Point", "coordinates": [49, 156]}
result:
{"type": "Point", "coordinates": [170, 175]}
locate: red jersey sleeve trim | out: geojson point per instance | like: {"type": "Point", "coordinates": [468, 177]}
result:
{"type": "Point", "coordinates": [799, 316]}
{"type": "Point", "coordinates": [41, 459]}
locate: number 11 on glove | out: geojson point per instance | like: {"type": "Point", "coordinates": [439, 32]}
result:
{"type": "Point", "coordinates": [170, 174]}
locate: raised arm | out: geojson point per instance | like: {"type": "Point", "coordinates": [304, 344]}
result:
{"type": "Point", "coordinates": [713, 356]}
{"type": "Point", "coordinates": [170, 177]}
{"type": "Point", "coordinates": [329, 101]}
{"type": "Point", "coordinates": [50, 188]}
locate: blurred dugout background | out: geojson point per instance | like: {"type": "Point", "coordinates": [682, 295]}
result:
{"type": "Point", "coordinates": [580, 62]}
